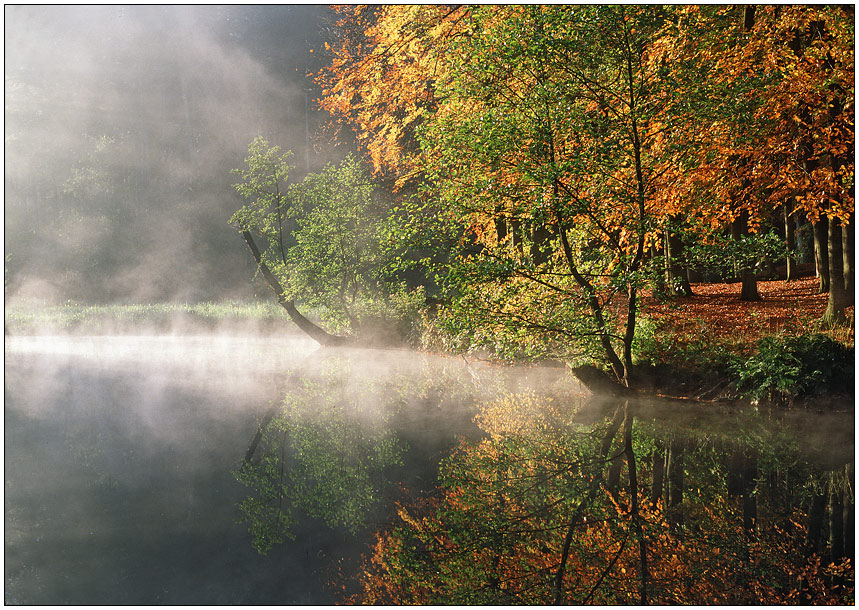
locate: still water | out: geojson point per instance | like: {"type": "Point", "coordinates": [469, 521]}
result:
{"type": "Point", "coordinates": [135, 474]}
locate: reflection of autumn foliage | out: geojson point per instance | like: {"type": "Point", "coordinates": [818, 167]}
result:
{"type": "Point", "coordinates": [496, 532]}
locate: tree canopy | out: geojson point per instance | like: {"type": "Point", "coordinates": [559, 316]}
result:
{"type": "Point", "coordinates": [571, 145]}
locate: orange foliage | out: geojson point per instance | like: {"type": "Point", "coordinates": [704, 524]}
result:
{"type": "Point", "coordinates": [792, 75]}
{"type": "Point", "coordinates": [381, 75]}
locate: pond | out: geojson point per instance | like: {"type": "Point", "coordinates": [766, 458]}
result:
{"type": "Point", "coordinates": [246, 470]}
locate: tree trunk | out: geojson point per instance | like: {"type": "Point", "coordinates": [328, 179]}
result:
{"type": "Point", "coordinates": [821, 257]}
{"type": "Point", "coordinates": [790, 240]}
{"type": "Point", "coordinates": [836, 522]}
{"type": "Point", "coordinates": [500, 224]}
{"type": "Point", "coordinates": [676, 481]}
{"type": "Point", "coordinates": [749, 292]}
{"type": "Point", "coordinates": [837, 302]}
{"type": "Point", "coordinates": [313, 331]}
{"type": "Point", "coordinates": [658, 480]}
{"type": "Point", "coordinates": [814, 531]}
{"type": "Point", "coordinates": [644, 571]}
{"type": "Point", "coordinates": [659, 284]}
{"type": "Point", "coordinates": [678, 278]}
{"type": "Point", "coordinates": [848, 238]}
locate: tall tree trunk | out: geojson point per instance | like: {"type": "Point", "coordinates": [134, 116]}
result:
{"type": "Point", "coordinates": [837, 302]}
{"type": "Point", "coordinates": [814, 531]}
{"type": "Point", "coordinates": [821, 256]}
{"type": "Point", "coordinates": [658, 478]}
{"type": "Point", "coordinates": [676, 480]}
{"type": "Point", "coordinates": [644, 572]}
{"type": "Point", "coordinates": [678, 277]}
{"type": "Point", "coordinates": [790, 241]}
{"type": "Point", "coordinates": [848, 239]}
{"type": "Point", "coordinates": [500, 224]}
{"type": "Point", "coordinates": [749, 291]}
{"type": "Point", "coordinates": [836, 521]}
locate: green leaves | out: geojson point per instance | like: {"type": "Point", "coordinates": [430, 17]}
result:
{"type": "Point", "coordinates": [325, 455]}
{"type": "Point", "coordinates": [263, 183]}
{"type": "Point", "coordinates": [786, 368]}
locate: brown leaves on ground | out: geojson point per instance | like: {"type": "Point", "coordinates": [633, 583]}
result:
{"type": "Point", "coordinates": [715, 311]}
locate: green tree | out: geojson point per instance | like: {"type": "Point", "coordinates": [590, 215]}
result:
{"type": "Point", "coordinates": [324, 245]}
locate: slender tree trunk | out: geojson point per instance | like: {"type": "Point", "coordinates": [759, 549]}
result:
{"type": "Point", "coordinates": [659, 278]}
{"type": "Point", "coordinates": [678, 278]}
{"type": "Point", "coordinates": [500, 224]}
{"type": "Point", "coordinates": [814, 531]}
{"type": "Point", "coordinates": [848, 239]}
{"type": "Point", "coordinates": [676, 480]}
{"type": "Point", "coordinates": [836, 522]}
{"type": "Point", "coordinates": [749, 291]}
{"type": "Point", "coordinates": [837, 302]}
{"type": "Point", "coordinates": [791, 271]}
{"type": "Point", "coordinates": [644, 572]}
{"type": "Point", "coordinates": [658, 480]}
{"type": "Point", "coordinates": [821, 256]}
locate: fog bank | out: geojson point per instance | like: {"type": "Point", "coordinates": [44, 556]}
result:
{"type": "Point", "coordinates": [122, 126]}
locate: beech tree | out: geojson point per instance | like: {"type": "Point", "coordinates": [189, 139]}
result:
{"type": "Point", "coordinates": [774, 122]}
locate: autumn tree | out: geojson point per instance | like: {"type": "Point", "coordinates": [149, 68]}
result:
{"type": "Point", "coordinates": [774, 117]}
{"type": "Point", "coordinates": [545, 149]}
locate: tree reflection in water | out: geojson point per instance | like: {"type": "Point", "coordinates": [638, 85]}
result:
{"type": "Point", "coordinates": [629, 509]}
{"type": "Point", "coordinates": [325, 452]}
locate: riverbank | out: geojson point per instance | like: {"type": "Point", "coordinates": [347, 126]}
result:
{"type": "Point", "coordinates": [712, 346]}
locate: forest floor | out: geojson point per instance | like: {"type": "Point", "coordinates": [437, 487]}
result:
{"type": "Point", "coordinates": [716, 312]}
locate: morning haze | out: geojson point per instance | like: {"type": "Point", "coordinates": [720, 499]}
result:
{"type": "Point", "coordinates": [122, 126]}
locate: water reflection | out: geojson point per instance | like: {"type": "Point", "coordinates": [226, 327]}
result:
{"type": "Point", "coordinates": [120, 454]}
{"type": "Point", "coordinates": [629, 508]}
{"type": "Point", "coordinates": [356, 431]}
{"type": "Point", "coordinates": [459, 481]}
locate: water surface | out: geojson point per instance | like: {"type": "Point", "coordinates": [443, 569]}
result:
{"type": "Point", "coordinates": [133, 475]}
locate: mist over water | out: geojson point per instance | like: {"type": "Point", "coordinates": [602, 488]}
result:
{"type": "Point", "coordinates": [121, 453]}
{"type": "Point", "coordinates": [122, 126]}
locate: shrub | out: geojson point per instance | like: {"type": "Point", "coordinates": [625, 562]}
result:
{"type": "Point", "coordinates": [786, 368]}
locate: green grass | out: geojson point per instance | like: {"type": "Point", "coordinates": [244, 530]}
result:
{"type": "Point", "coordinates": [156, 317]}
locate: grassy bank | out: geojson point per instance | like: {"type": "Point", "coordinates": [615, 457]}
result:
{"type": "Point", "coordinates": [72, 318]}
